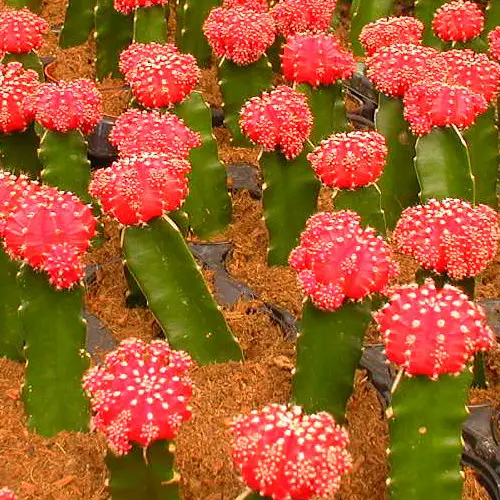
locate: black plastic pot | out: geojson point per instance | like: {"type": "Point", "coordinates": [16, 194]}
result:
{"type": "Point", "coordinates": [101, 152]}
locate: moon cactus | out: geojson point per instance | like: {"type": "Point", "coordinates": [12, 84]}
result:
{"type": "Point", "coordinates": [458, 21]}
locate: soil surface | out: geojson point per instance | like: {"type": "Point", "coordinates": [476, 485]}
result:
{"type": "Point", "coordinates": [71, 465]}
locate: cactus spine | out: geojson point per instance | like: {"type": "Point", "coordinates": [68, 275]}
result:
{"type": "Point", "coordinates": [159, 260]}
{"type": "Point", "coordinates": [78, 23]}
{"type": "Point", "coordinates": [208, 203]}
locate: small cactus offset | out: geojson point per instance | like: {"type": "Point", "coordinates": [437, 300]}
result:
{"type": "Point", "coordinates": [433, 346]}
{"type": "Point", "coordinates": [79, 22]}
{"type": "Point", "coordinates": [140, 397]}
{"type": "Point", "coordinates": [337, 262]}
{"type": "Point", "coordinates": [282, 120]}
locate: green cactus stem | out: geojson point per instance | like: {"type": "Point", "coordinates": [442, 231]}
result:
{"type": "Point", "coordinates": [482, 143]}
{"type": "Point", "coordinates": [328, 109]}
{"type": "Point", "coordinates": [78, 23]}
{"type": "Point", "coordinates": [191, 38]}
{"type": "Point", "coordinates": [150, 24]}
{"type": "Point", "coordinates": [11, 333]}
{"type": "Point", "coordinates": [113, 33]}
{"type": "Point", "coordinates": [443, 165]}
{"type": "Point", "coordinates": [144, 473]}
{"type": "Point", "coordinates": [364, 12]}
{"type": "Point", "coordinates": [492, 16]}
{"type": "Point", "coordinates": [31, 60]}
{"type": "Point", "coordinates": [238, 84]}
{"type": "Point", "coordinates": [179, 19]}
{"type": "Point", "coordinates": [54, 333]}
{"type": "Point", "coordinates": [33, 5]}
{"type": "Point", "coordinates": [65, 163]}
{"type": "Point", "coordinates": [208, 203]}
{"type": "Point", "coordinates": [366, 201]}
{"type": "Point", "coordinates": [329, 348]}
{"type": "Point", "coordinates": [424, 10]}
{"type": "Point", "coordinates": [290, 195]}
{"type": "Point", "coordinates": [398, 183]}
{"type": "Point", "coordinates": [425, 431]}
{"type": "Point", "coordinates": [159, 260]}
{"type": "Point", "coordinates": [273, 53]}
{"type": "Point", "coordinates": [18, 152]}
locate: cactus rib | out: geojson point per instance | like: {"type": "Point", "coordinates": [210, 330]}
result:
{"type": "Point", "coordinates": [18, 152]}
{"type": "Point", "coordinates": [150, 24]}
{"type": "Point", "coordinates": [78, 23]}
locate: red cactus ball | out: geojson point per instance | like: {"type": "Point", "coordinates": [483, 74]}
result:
{"type": "Point", "coordinates": [16, 86]}
{"type": "Point", "coordinates": [390, 30]}
{"type": "Point", "coordinates": [429, 331]}
{"type": "Point", "coordinates": [284, 453]}
{"type": "Point", "coordinates": [258, 5]}
{"type": "Point", "coordinates": [138, 52]}
{"type": "Point", "coordinates": [494, 43]}
{"type": "Point", "coordinates": [449, 235]}
{"type": "Point", "coordinates": [140, 394]}
{"type": "Point", "coordinates": [458, 21]}
{"type": "Point", "coordinates": [240, 34]}
{"type": "Point", "coordinates": [278, 119]}
{"type": "Point", "coordinates": [350, 160]}
{"type": "Point", "coordinates": [136, 132]}
{"type": "Point", "coordinates": [137, 188]}
{"type": "Point", "coordinates": [6, 494]}
{"type": "Point", "coordinates": [21, 31]}
{"type": "Point", "coordinates": [128, 6]}
{"type": "Point", "coordinates": [316, 59]}
{"type": "Point", "coordinates": [337, 259]}
{"type": "Point", "coordinates": [299, 16]}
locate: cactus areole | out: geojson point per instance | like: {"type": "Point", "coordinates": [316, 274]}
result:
{"type": "Point", "coordinates": [458, 21]}
{"type": "Point", "coordinates": [283, 453]}
{"type": "Point", "coordinates": [140, 394]}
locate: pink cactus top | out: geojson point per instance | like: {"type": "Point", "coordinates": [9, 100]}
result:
{"type": "Point", "coordinates": [458, 21]}
{"type": "Point", "coordinates": [21, 31]}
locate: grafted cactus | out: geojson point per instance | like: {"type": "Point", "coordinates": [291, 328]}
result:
{"type": "Point", "coordinates": [79, 22]}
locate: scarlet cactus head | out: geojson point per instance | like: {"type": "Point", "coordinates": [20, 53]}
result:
{"type": "Point", "coordinates": [21, 31]}
{"type": "Point", "coordinates": [449, 236]}
{"type": "Point", "coordinates": [431, 104]}
{"type": "Point", "coordinates": [136, 132]}
{"type": "Point", "coordinates": [458, 21]}
{"type": "Point", "coordinates": [299, 16]}
{"type": "Point", "coordinates": [494, 43]}
{"type": "Point", "coordinates": [16, 86]}
{"type": "Point", "coordinates": [390, 30]}
{"type": "Point", "coordinates": [258, 5]}
{"type": "Point", "coordinates": [6, 494]}
{"type": "Point", "coordinates": [65, 106]}
{"type": "Point", "coordinates": [394, 68]}
{"type": "Point", "coordinates": [140, 394]}
{"type": "Point", "coordinates": [239, 33]}
{"type": "Point", "coordinates": [161, 78]}
{"type": "Point", "coordinates": [128, 6]}
{"type": "Point", "coordinates": [350, 160]}
{"type": "Point", "coordinates": [137, 188]}
{"type": "Point", "coordinates": [278, 119]}
{"type": "Point", "coordinates": [429, 331]}
{"type": "Point", "coordinates": [284, 453]}
{"type": "Point", "coordinates": [316, 59]}
{"type": "Point", "coordinates": [50, 230]}
{"type": "Point", "coordinates": [337, 259]}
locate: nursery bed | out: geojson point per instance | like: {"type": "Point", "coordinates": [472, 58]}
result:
{"type": "Point", "coordinates": [72, 465]}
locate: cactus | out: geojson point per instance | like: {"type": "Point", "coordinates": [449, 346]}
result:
{"type": "Point", "coordinates": [492, 16]}
{"type": "Point", "coordinates": [113, 33]}
{"type": "Point", "coordinates": [398, 184]}
{"type": "Point", "coordinates": [78, 23]}
{"type": "Point", "coordinates": [424, 10]}
{"type": "Point", "coordinates": [150, 24]}
{"type": "Point", "coordinates": [30, 60]}
{"type": "Point", "coordinates": [208, 203]}
{"type": "Point", "coordinates": [160, 261]}
{"type": "Point", "coordinates": [33, 5]}
{"type": "Point", "coordinates": [18, 152]}
{"type": "Point", "coordinates": [190, 38]}
{"type": "Point", "coordinates": [337, 260]}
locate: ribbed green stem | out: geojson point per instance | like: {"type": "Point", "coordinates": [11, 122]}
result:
{"type": "Point", "coordinates": [367, 202]}
{"type": "Point", "coordinates": [55, 333]}
{"type": "Point", "coordinates": [113, 33]}
{"type": "Point", "coordinates": [31, 60]}
{"type": "Point", "coordinates": [150, 24]}
{"type": "Point", "coordinates": [160, 261]}
{"type": "Point", "coordinates": [179, 20]}
{"type": "Point", "coordinates": [328, 109]}
{"type": "Point", "coordinates": [78, 23]}
{"type": "Point", "coordinates": [208, 203]}
{"type": "Point", "coordinates": [65, 163]}
{"type": "Point", "coordinates": [482, 143]}
{"type": "Point", "coordinates": [238, 84]}
{"type": "Point", "coordinates": [443, 165]}
{"type": "Point", "coordinates": [329, 348]}
{"type": "Point", "coordinates": [426, 437]}
{"type": "Point", "coordinates": [18, 152]}
{"type": "Point", "coordinates": [33, 5]}
{"type": "Point", "coordinates": [191, 38]}
{"type": "Point", "coordinates": [424, 10]}
{"type": "Point", "coordinates": [398, 183]}
{"type": "Point", "coordinates": [144, 473]}
{"type": "Point", "coordinates": [364, 12]}
{"type": "Point", "coordinates": [492, 16]}
{"type": "Point", "coordinates": [290, 197]}
{"type": "Point", "coordinates": [11, 332]}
